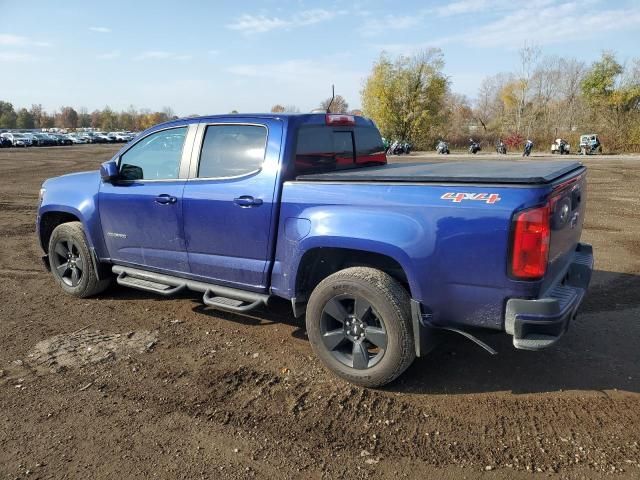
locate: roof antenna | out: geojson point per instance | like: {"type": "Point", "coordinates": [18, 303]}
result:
{"type": "Point", "coordinates": [333, 96]}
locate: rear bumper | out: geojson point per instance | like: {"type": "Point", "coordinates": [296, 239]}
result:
{"type": "Point", "coordinates": [539, 323]}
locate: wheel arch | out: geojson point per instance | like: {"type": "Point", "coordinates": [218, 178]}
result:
{"type": "Point", "coordinates": [317, 263]}
{"type": "Point", "coordinates": [50, 220]}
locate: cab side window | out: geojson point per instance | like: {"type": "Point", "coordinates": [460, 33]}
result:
{"type": "Point", "coordinates": [156, 157]}
{"type": "Point", "coordinates": [232, 150]}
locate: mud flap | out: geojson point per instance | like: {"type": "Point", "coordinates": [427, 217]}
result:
{"type": "Point", "coordinates": [425, 337]}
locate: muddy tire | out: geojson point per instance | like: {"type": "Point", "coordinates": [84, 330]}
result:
{"type": "Point", "coordinates": [359, 325]}
{"type": "Point", "coordinates": [71, 263]}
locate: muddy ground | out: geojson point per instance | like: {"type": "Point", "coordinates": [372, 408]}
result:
{"type": "Point", "coordinates": [130, 385]}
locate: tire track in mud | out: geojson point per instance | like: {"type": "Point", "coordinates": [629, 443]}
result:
{"type": "Point", "coordinates": [523, 433]}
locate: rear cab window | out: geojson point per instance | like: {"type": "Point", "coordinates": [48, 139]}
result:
{"type": "Point", "coordinates": [325, 148]}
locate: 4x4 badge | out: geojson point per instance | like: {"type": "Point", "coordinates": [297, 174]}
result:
{"type": "Point", "coordinates": [478, 197]}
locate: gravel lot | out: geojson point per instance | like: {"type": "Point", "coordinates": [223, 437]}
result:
{"type": "Point", "coordinates": [134, 385]}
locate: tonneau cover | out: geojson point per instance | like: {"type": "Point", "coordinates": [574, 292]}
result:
{"type": "Point", "coordinates": [478, 171]}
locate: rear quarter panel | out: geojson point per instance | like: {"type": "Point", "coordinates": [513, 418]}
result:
{"type": "Point", "coordinates": [453, 253]}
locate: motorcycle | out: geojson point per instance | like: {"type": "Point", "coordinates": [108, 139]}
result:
{"type": "Point", "coordinates": [561, 147]}
{"type": "Point", "coordinates": [398, 148]}
{"type": "Point", "coordinates": [442, 148]}
{"type": "Point", "coordinates": [501, 148]}
{"type": "Point", "coordinates": [527, 148]}
{"type": "Point", "coordinates": [474, 147]}
{"type": "Point", "coordinates": [590, 145]}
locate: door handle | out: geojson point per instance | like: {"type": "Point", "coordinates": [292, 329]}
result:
{"type": "Point", "coordinates": [165, 199]}
{"type": "Point", "coordinates": [247, 201]}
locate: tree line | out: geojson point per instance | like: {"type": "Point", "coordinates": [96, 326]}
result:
{"type": "Point", "coordinates": [106, 119]}
{"type": "Point", "coordinates": [547, 97]}
{"type": "Point", "coordinates": [410, 98]}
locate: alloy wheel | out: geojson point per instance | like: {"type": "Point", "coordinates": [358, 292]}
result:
{"type": "Point", "coordinates": [68, 262]}
{"type": "Point", "coordinates": [353, 332]}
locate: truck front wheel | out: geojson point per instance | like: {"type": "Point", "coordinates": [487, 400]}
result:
{"type": "Point", "coordinates": [70, 261]}
{"type": "Point", "coordinates": [359, 324]}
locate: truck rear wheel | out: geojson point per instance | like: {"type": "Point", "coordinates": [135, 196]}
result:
{"type": "Point", "coordinates": [71, 263]}
{"type": "Point", "coordinates": [359, 324]}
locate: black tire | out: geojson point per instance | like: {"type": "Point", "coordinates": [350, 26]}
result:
{"type": "Point", "coordinates": [374, 308]}
{"type": "Point", "coordinates": [71, 263]}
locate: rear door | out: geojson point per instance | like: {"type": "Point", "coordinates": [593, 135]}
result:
{"type": "Point", "coordinates": [229, 201]}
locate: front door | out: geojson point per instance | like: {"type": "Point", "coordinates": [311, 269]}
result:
{"type": "Point", "coordinates": [228, 202]}
{"type": "Point", "coordinates": [141, 212]}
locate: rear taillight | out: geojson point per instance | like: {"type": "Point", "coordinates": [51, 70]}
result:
{"type": "Point", "coordinates": [530, 249]}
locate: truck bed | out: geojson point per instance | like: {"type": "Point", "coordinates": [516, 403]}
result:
{"type": "Point", "coordinates": [484, 172]}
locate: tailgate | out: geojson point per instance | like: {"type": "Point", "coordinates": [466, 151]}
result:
{"type": "Point", "coordinates": [567, 204]}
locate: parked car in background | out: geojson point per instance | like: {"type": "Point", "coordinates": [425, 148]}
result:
{"type": "Point", "coordinates": [61, 139]}
{"type": "Point", "coordinates": [101, 137]}
{"type": "Point", "coordinates": [44, 140]}
{"type": "Point", "coordinates": [32, 138]}
{"type": "Point", "coordinates": [78, 139]}
{"type": "Point", "coordinates": [4, 142]}
{"type": "Point", "coordinates": [121, 136]}
{"type": "Point", "coordinates": [17, 139]}
{"type": "Point", "coordinates": [89, 137]}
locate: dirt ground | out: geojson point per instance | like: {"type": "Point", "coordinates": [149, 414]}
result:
{"type": "Point", "coordinates": [131, 385]}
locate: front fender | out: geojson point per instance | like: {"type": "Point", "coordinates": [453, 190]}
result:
{"type": "Point", "coordinates": [76, 195]}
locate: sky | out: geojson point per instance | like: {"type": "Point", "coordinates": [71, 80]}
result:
{"type": "Point", "coordinates": [214, 56]}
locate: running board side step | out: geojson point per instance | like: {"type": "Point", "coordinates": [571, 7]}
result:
{"type": "Point", "coordinates": [230, 304]}
{"type": "Point", "coordinates": [163, 289]}
{"type": "Point", "coordinates": [216, 296]}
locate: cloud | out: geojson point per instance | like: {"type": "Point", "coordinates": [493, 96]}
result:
{"type": "Point", "coordinates": [515, 22]}
{"type": "Point", "coordinates": [16, 57]}
{"type": "Point", "coordinates": [467, 7]}
{"type": "Point", "coordinates": [283, 71]}
{"type": "Point", "coordinates": [109, 55]}
{"type": "Point", "coordinates": [300, 72]}
{"type": "Point", "coordinates": [374, 26]}
{"type": "Point", "coordinates": [10, 40]}
{"type": "Point", "coordinates": [463, 7]}
{"type": "Point", "coordinates": [100, 29]}
{"type": "Point", "coordinates": [162, 55]}
{"type": "Point", "coordinates": [302, 82]}
{"type": "Point", "coordinates": [7, 39]}
{"type": "Point", "coordinates": [249, 24]}
{"type": "Point", "coordinates": [542, 25]}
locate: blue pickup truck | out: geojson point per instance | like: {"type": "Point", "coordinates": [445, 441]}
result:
{"type": "Point", "coordinates": [380, 258]}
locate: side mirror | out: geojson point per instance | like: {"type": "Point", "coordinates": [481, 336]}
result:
{"type": "Point", "coordinates": [109, 171]}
